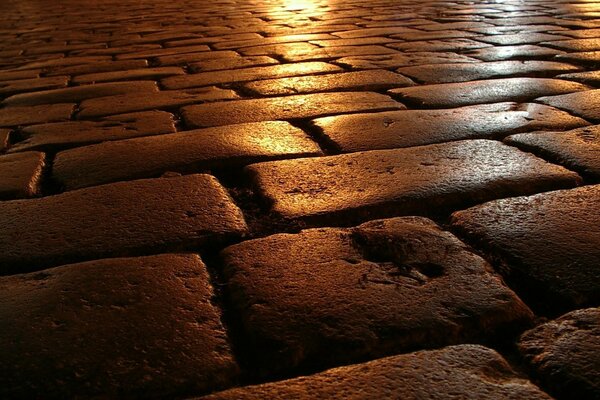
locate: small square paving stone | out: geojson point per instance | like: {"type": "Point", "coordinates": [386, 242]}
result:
{"type": "Point", "coordinates": [119, 219]}
{"type": "Point", "coordinates": [457, 372]}
{"type": "Point", "coordinates": [331, 296]}
{"type": "Point", "coordinates": [422, 180]}
{"type": "Point", "coordinates": [61, 135]}
{"type": "Point", "coordinates": [286, 108]}
{"type": "Point", "coordinates": [114, 328]}
{"type": "Point", "coordinates": [577, 149]}
{"type": "Point", "coordinates": [585, 104]}
{"type": "Point", "coordinates": [407, 128]}
{"type": "Point", "coordinates": [21, 174]}
{"type": "Point", "coordinates": [231, 146]}
{"type": "Point", "coordinates": [29, 115]}
{"type": "Point", "coordinates": [547, 245]}
{"type": "Point", "coordinates": [486, 91]}
{"type": "Point", "coordinates": [76, 94]}
{"type": "Point", "coordinates": [565, 354]}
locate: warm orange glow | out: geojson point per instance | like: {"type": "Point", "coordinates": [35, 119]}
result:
{"type": "Point", "coordinates": [300, 5]}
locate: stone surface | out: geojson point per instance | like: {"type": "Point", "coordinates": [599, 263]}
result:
{"type": "Point", "coordinates": [565, 353]}
{"type": "Point", "coordinates": [410, 285]}
{"type": "Point", "coordinates": [407, 128]}
{"type": "Point", "coordinates": [547, 245]}
{"type": "Point", "coordinates": [591, 58]}
{"type": "Point", "coordinates": [233, 63]}
{"type": "Point", "coordinates": [520, 38]}
{"type": "Point", "coordinates": [589, 78]}
{"type": "Point", "coordinates": [526, 51]}
{"type": "Point", "coordinates": [8, 88]}
{"type": "Point", "coordinates": [122, 327]}
{"type": "Point", "coordinates": [107, 221]}
{"type": "Point", "coordinates": [4, 139]}
{"type": "Point", "coordinates": [132, 74]}
{"type": "Point", "coordinates": [286, 108]}
{"type": "Point", "coordinates": [230, 146]}
{"type": "Point", "coordinates": [29, 115]}
{"type": "Point", "coordinates": [577, 149]}
{"type": "Point", "coordinates": [485, 91]}
{"type": "Point", "coordinates": [403, 60]}
{"type": "Point", "coordinates": [21, 174]}
{"type": "Point", "coordinates": [576, 45]}
{"type": "Point", "coordinates": [61, 135]}
{"type": "Point", "coordinates": [585, 104]}
{"type": "Point", "coordinates": [422, 180]}
{"type": "Point", "coordinates": [464, 371]}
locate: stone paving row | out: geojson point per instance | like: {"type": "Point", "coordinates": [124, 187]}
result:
{"type": "Point", "coordinates": [342, 198]}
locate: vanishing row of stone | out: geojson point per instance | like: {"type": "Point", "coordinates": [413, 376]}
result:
{"type": "Point", "coordinates": [307, 301]}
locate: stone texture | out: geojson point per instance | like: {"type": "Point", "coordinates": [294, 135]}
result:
{"type": "Point", "coordinates": [577, 149]}
{"type": "Point", "coordinates": [585, 104]}
{"type": "Point", "coordinates": [122, 327]}
{"type": "Point", "coordinates": [4, 139]}
{"type": "Point", "coordinates": [28, 115]}
{"type": "Point", "coordinates": [96, 68]}
{"type": "Point", "coordinates": [21, 174]}
{"type": "Point", "coordinates": [167, 99]}
{"type": "Point", "coordinates": [162, 52]}
{"type": "Point", "coordinates": [463, 371]}
{"type": "Point", "coordinates": [547, 245]}
{"type": "Point", "coordinates": [410, 285]}
{"type": "Point", "coordinates": [526, 51]}
{"type": "Point", "coordinates": [591, 58]}
{"type": "Point", "coordinates": [230, 146]}
{"type": "Point", "coordinates": [108, 221]}
{"type": "Point", "coordinates": [422, 180]}
{"type": "Point", "coordinates": [182, 59]}
{"type": "Point", "coordinates": [407, 128]}
{"type": "Point", "coordinates": [589, 78]}
{"type": "Point", "coordinates": [286, 108]}
{"type": "Point", "coordinates": [8, 88]}
{"type": "Point", "coordinates": [565, 353]}
{"type": "Point", "coordinates": [576, 45]}
{"type": "Point", "coordinates": [438, 45]}
{"type": "Point", "coordinates": [62, 135]}
{"type": "Point", "coordinates": [403, 60]}
{"type": "Point", "coordinates": [132, 74]}
{"type": "Point", "coordinates": [486, 91]}
{"type": "Point", "coordinates": [328, 53]}
{"type": "Point", "coordinates": [233, 63]}
{"type": "Point", "coordinates": [520, 38]}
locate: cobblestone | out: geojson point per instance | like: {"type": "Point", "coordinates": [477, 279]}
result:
{"type": "Point", "coordinates": [20, 175]}
{"type": "Point", "coordinates": [585, 104]}
{"type": "Point", "coordinates": [29, 115]}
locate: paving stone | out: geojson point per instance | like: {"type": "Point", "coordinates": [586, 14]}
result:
{"type": "Point", "coordinates": [286, 108]}
{"type": "Point", "coordinates": [29, 85]}
{"type": "Point", "coordinates": [352, 42]}
{"type": "Point", "coordinates": [4, 139]}
{"type": "Point", "coordinates": [462, 72]}
{"type": "Point", "coordinates": [247, 74]}
{"type": "Point", "coordinates": [212, 39]}
{"type": "Point", "coordinates": [182, 59]}
{"type": "Point", "coordinates": [369, 32]}
{"type": "Point", "coordinates": [403, 59]}
{"type": "Point", "coordinates": [162, 52]}
{"type": "Point", "coordinates": [14, 75]}
{"type": "Point", "coordinates": [407, 128]}
{"type": "Point", "coordinates": [107, 221]}
{"type": "Point", "coordinates": [565, 354]}
{"type": "Point", "coordinates": [62, 135]}
{"type": "Point", "coordinates": [423, 180]}
{"type": "Point", "coordinates": [215, 148]}
{"type": "Point", "coordinates": [360, 80]}
{"type": "Point", "coordinates": [485, 91]}
{"type": "Point", "coordinates": [166, 99]}
{"type": "Point", "coordinates": [589, 78]}
{"type": "Point", "coordinates": [279, 49]}
{"type": "Point", "coordinates": [132, 74]}
{"type": "Point", "coordinates": [121, 327]}
{"type": "Point", "coordinates": [526, 51]}
{"type": "Point", "coordinates": [76, 94]}
{"type": "Point", "coordinates": [520, 38]}
{"type": "Point", "coordinates": [21, 175]}
{"type": "Point", "coordinates": [576, 44]}
{"type": "Point", "coordinates": [96, 68]}
{"type": "Point", "coordinates": [547, 244]}
{"type": "Point", "coordinates": [28, 115]}
{"type": "Point", "coordinates": [410, 285]}
{"type": "Point", "coordinates": [63, 62]}
{"type": "Point", "coordinates": [326, 53]}
{"type": "Point", "coordinates": [238, 44]}
{"type": "Point", "coordinates": [585, 104]}
{"type": "Point", "coordinates": [577, 149]}
{"type": "Point", "coordinates": [462, 371]}
{"type": "Point", "coordinates": [585, 58]}
{"type": "Point", "coordinates": [439, 45]}
{"type": "Point", "coordinates": [234, 63]}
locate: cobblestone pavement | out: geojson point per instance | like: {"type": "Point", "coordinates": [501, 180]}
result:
{"type": "Point", "coordinates": [300, 199]}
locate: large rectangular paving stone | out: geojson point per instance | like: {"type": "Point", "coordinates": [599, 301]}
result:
{"type": "Point", "coordinates": [29, 115]}
{"type": "Point", "coordinates": [61, 135]}
{"type": "Point", "coordinates": [331, 296]}
{"type": "Point", "coordinates": [286, 108]}
{"type": "Point", "coordinates": [485, 91]}
{"type": "Point", "coordinates": [230, 146]}
{"type": "Point", "coordinates": [407, 128]}
{"type": "Point", "coordinates": [423, 180]}
{"type": "Point", "coordinates": [8, 88]}
{"type": "Point", "coordinates": [21, 174]}
{"type": "Point", "coordinates": [577, 149]}
{"type": "Point", "coordinates": [585, 104]}
{"type": "Point", "coordinates": [548, 245]}
{"type": "Point", "coordinates": [121, 327]}
{"type": "Point", "coordinates": [120, 219]}
{"type": "Point", "coordinates": [461, 371]}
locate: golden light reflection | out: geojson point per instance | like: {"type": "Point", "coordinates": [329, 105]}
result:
{"type": "Point", "coordinates": [300, 5]}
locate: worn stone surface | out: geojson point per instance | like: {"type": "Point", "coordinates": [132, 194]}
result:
{"type": "Point", "coordinates": [407, 128]}
{"type": "Point", "coordinates": [403, 60]}
{"type": "Point", "coordinates": [589, 78]}
{"type": "Point", "coordinates": [233, 63]}
{"type": "Point", "coordinates": [565, 353]}
{"type": "Point", "coordinates": [577, 149]}
{"type": "Point", "coordinates": [576, 45]}
{"type": "Point", "coordinates": [28, 115]}
{"type": "Point", "coordinates": [422, 180]}
{"type": "Point", "coordinates": [438, 45]}
{"type": "Point", "coordinates": [132, 74]}
{"type": "Point", "coordinates": [286, 108]}
{"type": "Point", "coordinates": [191, 151]}
{"type": "Point", "coordinates": [526, 51]}
{"type": "Point", "coordinates": [117, 327]}
{"type": "Point", "coordinates": [177, 213]}
{"type": "Point", "coordinates": [591, 58]}
{"type": "Point", "coordinates": [485, 91]}
{"type": "Point", "coordinates": [8, 88]}
{"type": "Point", "coordinates": [61, 135]}
{"type": "Point", "coordinates": [4, 139]}
{"type": "Point", "coordinates": [547, 244]}
{"type": "Point", "coordinates": [585, 104]}
{"type": "Point", "coordinates": [463, 371]}
{"type": "Point", "coordinates": [21, 174]}
{"type": "Point", "coordinates": [410, 285]}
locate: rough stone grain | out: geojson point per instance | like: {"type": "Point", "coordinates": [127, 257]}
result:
{"type": "Point", "coordinates": [585, 104]}
{"type": "Point", "coordinates": [21, 174]}
{"type": "Point", "coordinates": [29, 115]}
